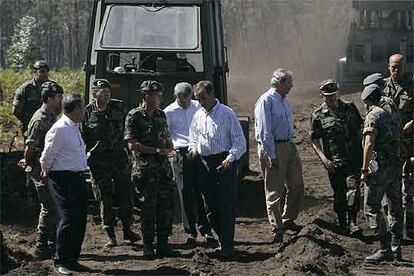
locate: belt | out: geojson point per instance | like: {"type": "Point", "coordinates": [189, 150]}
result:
{"type": "Point", "coordinates": [182, 150]}
{"type": "Point", "coordinates": [282, 141]}
{"type": "Point", "coordinates": [219, 156]}
{"type": "Point", "coordinates": [70, 172]}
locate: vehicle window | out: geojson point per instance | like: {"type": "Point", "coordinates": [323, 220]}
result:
{"type": "Point", "coordinates": [144, 27]}
{"type": "Point", "coordinates": [359, 53]}
{"type": "Point", "coordinates": [130, 62]}
{"type": "Point", "coordinates": [377, 53]}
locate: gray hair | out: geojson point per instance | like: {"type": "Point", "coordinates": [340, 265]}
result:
{"type": "Point", "coordinates": [279, 75]}
{"type": "Point", "coordinates": [183, 88]}
{"type": "Point", "coordinates": [70, 102]}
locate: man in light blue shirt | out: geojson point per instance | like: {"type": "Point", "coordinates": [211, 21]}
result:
{"type": "Point", "coordinates": [179, 116]}
{"type": "Point", "coordinates": [279, 158]}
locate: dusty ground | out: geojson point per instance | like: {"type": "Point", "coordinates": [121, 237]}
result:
{"type": "Point", "coordinates": [318, 249]}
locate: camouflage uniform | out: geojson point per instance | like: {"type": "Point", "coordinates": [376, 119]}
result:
{"type": "Point", "coordinates": [386, 179]}
{"type": "Point", "coordinates": [339, 130]}
{"type": "Point", "coordinates": [107, 159]}
{"type": "Point", "coordinates": [151, 173]}
{"type": "Point", "coordinates": [402, 95]}
{"type": "Point", "coordinates": [40, 123]}
{"type": "Point", "coordinates": [27, 100]}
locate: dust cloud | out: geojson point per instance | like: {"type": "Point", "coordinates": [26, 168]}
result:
{"type": "Point", "coordinates": [305, 36]}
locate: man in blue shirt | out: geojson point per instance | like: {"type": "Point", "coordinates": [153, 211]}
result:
{"type": "Point", "coordinates": [279, 158]}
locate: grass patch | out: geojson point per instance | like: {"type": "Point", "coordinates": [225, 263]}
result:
{"type": "Point", "coordinates": [71, 81]}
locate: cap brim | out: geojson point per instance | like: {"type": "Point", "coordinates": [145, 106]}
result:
{"type": "Point", "coordinates": [328, 93]}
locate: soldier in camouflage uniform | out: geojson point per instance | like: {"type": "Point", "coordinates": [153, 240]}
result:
{"type": "Point", "coordinates": [27, 100]}
{"type": "Point", "coordinates": [388, 105]}
{"type": "Point", "coordinates": [102, 131]}
{"type": "Point", "coordinates": [28, 96]}
{"type": "Point", "coordinates": [400, 87]}
{"type": "Point", "coordinates": [338, 124]}
{"type": "Point", "coordinates": [41, 122]}
{"type": "Point", "coordinates": [148, 137]}
{"type": "Point", "coordinates": [380, 174]}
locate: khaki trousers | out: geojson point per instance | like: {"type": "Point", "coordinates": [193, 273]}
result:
{"type": "Point", "coordinates": [286, 178]}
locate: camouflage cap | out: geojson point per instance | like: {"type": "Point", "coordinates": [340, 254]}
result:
{"type": "Point", "coordinates": [51, 87]}
{"type": "Point", "coordinates": [373, 91]}
{"type": "Point", "coordinates": [328, 87]}
{"type": "Point", "coordinates": [373, 78]}
{"type": "Point", "coordinates": [151, 86]}
{"type": "Point", "coordinates": [40, 64]}
{"type": "Point", "coordinates": [101, 83]}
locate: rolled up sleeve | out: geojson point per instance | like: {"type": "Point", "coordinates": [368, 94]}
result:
{"type": "Point", "coordinates": [238, 140]}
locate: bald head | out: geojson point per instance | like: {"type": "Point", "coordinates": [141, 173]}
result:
{"type": "Point", "coordinates": [396, 67]}
{"type": "Point", "coordinates": [396, 58]}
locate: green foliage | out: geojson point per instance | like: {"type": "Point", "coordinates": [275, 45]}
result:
{"type": "Point", "coordinates": [24, 50]}
{"type": "Point", "coordinates": [71, 81]}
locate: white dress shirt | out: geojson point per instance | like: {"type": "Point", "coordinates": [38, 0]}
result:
{"type": "Point", "coordinates": [64, 147]}
{"type": "Point", "coordinates": [273, 121]}
{"type": "Point", "coordinates": [179, 121]}
{"type": "Point", "coordinates": [217, 131]}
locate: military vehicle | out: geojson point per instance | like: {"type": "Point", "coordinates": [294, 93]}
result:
{"type": "Point", "coordinates": [169, 41]}
{"type": "Point", "coordinates": [379, 29]}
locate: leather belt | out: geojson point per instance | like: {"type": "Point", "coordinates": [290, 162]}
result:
{"type": "Point", "coordinates": [282, 141]}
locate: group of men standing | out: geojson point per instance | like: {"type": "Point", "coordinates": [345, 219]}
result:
{"type": "Point", "coordinates": [196, 144]}
{"type": "Point", "coordinates": [373, 153]}
{"type": "Point", "coordinates": [200, 155]}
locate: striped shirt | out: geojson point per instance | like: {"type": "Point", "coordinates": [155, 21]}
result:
{"type": "Point", "coordinates": [217, 131]}
{"type": "Point", "coordinates": [179, 120]}
{"type": "Point", "coordinates": [273, 121]}
{"type": "Point", "coordinates": [64, 147]}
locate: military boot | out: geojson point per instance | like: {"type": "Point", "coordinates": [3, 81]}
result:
{"type": "Point", "coordinates": [384, 254]}
{"type": "Point", "coordinates": [352, 222]}
{"type": "Point", "coordinates": [111, 238]}
{"type": "Point", "coordinates": [396, 247]}
{"type": "Point", "coordinates": [42, 252]}
{"type": "Point", "coordinates": [149, 253]}
{"type": "Point", "coordinates": [130, 235]}
{"type": "Point", "coordinates": [164, 249]}
{"type": "Point", "coordinates": [343, 225]}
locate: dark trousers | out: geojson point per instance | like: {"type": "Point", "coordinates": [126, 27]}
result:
{"type": "Point", "coordinates": [345, 184]}
{"type": "Point", "coordinates": [186, 176]}
{"type": "Point", "coordinates": [69, 191]}
{"type": "Point", "coordinates": [219, 189]}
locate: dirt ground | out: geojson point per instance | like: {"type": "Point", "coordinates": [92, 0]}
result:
{"type": "Point", "coordinates": [318, 249]}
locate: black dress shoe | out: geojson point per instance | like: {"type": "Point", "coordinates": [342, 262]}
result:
{"type": "Point", "coordinates": [75, 266]}
{"type": "Point", "coordinates": [63, 270]}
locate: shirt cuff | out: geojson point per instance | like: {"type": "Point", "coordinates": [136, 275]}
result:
{"type": "Point", "coordinates": [230, 157]}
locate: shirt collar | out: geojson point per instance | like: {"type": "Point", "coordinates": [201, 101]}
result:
{"type": "Point", "coordinates": [68, 120]}
{"type": "Point", "coordinates": [215, 107]}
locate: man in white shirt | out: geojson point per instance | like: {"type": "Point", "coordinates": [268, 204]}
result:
{"type": "Point", "coordinates": [63, 161]}
{"type": "Point", "coordinates": [216, 135]}
{"type": "Point", "coordinates": [179, 115]}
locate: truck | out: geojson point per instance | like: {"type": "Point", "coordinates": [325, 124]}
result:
{"type": "Point", "coordinates": [379, 29]}
{"type": "Point", "coordinates": [169, 41]}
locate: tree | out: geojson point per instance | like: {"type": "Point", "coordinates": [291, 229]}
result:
{"type": "Point", "coordinates": [23, 50]}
